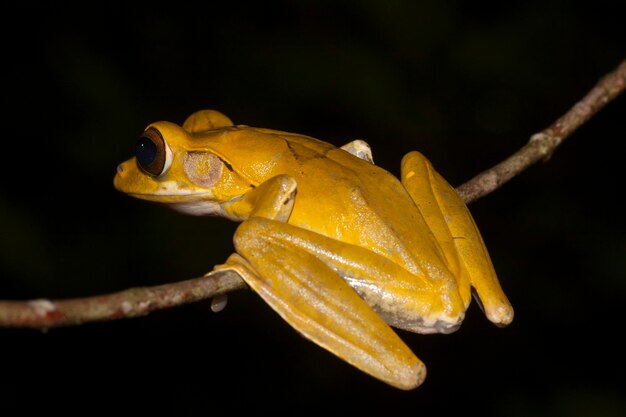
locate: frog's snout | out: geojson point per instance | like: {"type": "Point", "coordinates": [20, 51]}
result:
{"type": "Point", "coordinates": [124, 169]}
{"type": "Point", "coordinates": [121, 176]}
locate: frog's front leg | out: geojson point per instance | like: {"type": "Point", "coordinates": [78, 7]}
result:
{"type": "Point", "coordinates": [310, 295]}
{"type": "Point", "coordinates": [451, 222]}
{"type": "Point", "coordinates": [272, 199]}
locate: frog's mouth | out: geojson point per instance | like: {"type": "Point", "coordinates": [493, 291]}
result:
{"type": "Point", "coordinates": [201, 208]}
{"type": "Point", "coordinates": [195, 204]}
{"type": "Point", "coordinates": [130, 180]}
{"type": "Point", "coordinates": [172, 197]}
{"type": "Point", "coordinates": [198, 204]}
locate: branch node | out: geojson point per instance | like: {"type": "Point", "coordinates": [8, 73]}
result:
{"type": "Point", "coordinates": [545, 143]}
{"type": "Point", "coordinates": [42, 306]}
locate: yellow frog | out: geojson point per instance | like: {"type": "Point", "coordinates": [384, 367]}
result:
{"type": "Point", "coordinates": [336, 245]}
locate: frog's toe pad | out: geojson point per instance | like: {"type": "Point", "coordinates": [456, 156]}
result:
{"type": "Point", "coordinates": [501, 315]}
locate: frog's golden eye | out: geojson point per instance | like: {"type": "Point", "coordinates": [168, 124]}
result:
{"type": "Point", "coordinates": [153, 154]}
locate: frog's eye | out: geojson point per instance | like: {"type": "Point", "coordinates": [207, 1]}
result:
{"type": "Point", "coordinates": [153, 154]}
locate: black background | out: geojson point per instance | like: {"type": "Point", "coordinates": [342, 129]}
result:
{"type": "Point", "coordinates": [465, 84]}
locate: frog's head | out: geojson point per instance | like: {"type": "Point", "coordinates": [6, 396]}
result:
{"type": "Point", "coordinates": [176, 166]}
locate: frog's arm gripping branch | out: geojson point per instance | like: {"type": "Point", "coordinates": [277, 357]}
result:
{"type": "Point", "coordinates": [141, 301]}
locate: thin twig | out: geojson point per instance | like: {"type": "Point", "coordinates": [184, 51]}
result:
{"type": "Point", "coordinates": [134, 302]}
{"type": "Point", "coordinates": [543, 144]}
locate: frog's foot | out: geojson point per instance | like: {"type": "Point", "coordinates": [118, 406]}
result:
{"type": "Point", "coordinates": [359, 148]}
{"type": "Point", "coordinates": [235, 264]}
{"type": "Point", "coordinates": [451, 222]}
{"type": "Point", "coordinates": [218, 303]}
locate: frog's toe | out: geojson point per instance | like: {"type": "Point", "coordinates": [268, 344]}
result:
{"type": "Point", "coordinates": [497, 310]}
{"type": "Point", "coordinates": [218, 303]}
{"type": "Point", "coordinates": [501, 315]}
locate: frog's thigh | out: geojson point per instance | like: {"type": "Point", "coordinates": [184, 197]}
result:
{"type": "Point", "coordinates": [414, 302]}
{"type": "Point", "coordinates": [316, 301]}
{"type": "Point", "coordinates": [450, 220]}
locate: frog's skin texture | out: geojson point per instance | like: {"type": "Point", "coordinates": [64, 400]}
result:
{"type": "Point", "coordinates": [337, 246]}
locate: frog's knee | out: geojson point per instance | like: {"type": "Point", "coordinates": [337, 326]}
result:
{"type": "Point", "coordinates": [414, 161]}
{"type": "Point", "coordinates": [360, 149]}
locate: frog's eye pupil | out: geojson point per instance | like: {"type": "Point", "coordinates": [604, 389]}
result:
{"type": "Point", "coordinates": [151, 152]}
{"type": "Point", "coordinates": [146, 151]}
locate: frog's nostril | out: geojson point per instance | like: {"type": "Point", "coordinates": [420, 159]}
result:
{"type": "Point", "coordinates": [120, 169]}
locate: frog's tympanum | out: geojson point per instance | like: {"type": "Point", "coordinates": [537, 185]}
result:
{"type": "Point", "coordinates": [336, 245]}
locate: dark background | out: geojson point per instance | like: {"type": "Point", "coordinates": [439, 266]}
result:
{"type": "Point", "coordinates": [466, 84]}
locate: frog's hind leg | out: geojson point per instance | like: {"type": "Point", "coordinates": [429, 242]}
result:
{"type": "Point", "coordinates": [359, 148]}
{"type": "Point", "coordinates": [307, 293]}
{"type": "Point", "coordinates": [317, 302]}
{"type": "Point", "coordinates": [451, 222]}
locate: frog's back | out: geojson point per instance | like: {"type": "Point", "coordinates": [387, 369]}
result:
{"type": "Point", "coordinates": [339, 195]}
{"type": "Point", "coordinates": [350, 199]}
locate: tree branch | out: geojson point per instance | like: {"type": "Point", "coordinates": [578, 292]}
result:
{"type": "Point", "coordinates": [134, 302]}
{"type": "Point", "coordinates": [543, 144]}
